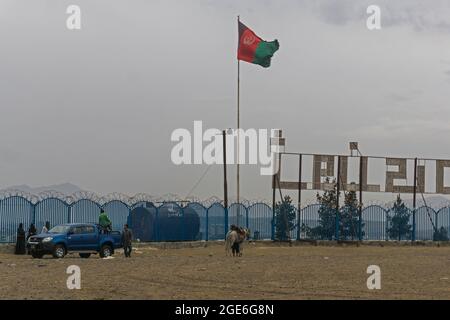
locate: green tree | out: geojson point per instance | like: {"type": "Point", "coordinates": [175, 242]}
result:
{"type": "Point", "coordinates": [327, 214]}
{"type": "Point", "coordinates": [285, 214]}
{"type": "Point", "coordinates": [398, 222]}
{"type": "Point", "coordinates": [349, 217]}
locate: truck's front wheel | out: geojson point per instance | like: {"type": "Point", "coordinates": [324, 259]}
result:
{"type": "Point", "coordinates": [105, 251]}
{"type": "Point", "coordinates": [59, 251]}
{"type": "Point", "coordinates": [36, 255]}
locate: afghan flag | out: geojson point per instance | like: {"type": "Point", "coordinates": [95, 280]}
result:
{"type": "Point", "coordinates": [253, 49]}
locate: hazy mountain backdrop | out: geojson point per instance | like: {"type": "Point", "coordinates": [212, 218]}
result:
{"type": "Point", "coordinates": [65, 188]}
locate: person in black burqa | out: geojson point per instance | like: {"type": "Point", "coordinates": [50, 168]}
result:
{"type": "Point", "coordinates": [127, 236]}
{"type": "Point", "coordinates": [20, 242]}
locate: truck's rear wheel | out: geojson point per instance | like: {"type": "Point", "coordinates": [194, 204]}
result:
{"type": "Point", "coordinates": [105, 251]}
{"type": "Point", "coordinates": [85, 255]}
{"type": "Point", "coordinates": [59, 251]}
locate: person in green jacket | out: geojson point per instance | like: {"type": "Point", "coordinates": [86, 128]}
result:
{"type": "Point", "coordinates": [104, 222]}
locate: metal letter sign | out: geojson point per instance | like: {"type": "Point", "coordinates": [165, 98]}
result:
{"type": "Point", "coordinates": [396, 178]}
{"type": "Point", "coordinates": [401, 174]}
{"type": "Point", "coordinates": [440, 165]}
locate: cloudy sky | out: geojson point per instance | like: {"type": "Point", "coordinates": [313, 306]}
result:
{"type": "Point", "coordinates": [96, 107]}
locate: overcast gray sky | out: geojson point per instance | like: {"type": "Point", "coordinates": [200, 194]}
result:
{"type": "Point", "coordinates": [96, 107]}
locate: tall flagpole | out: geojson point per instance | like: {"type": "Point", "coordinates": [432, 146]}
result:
{"type": "Point", "coordinates": [238, 127]}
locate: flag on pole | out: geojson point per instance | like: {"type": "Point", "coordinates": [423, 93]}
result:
{"type": "Point", "coordinates": [253, 49]}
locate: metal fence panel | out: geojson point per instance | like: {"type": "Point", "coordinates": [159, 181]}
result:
{"type": "Point", "coordinates": [53, 210]}
{"type": "Point", "coordinates": [216, 222]}
{"type": "Point", "coordinates": [443, 220]}
{"type": "Point", "coordinates": [259, 218]}
{"type": "Point", "coordinates": [171, 222]}
{"type": "Point", "coordinates": [13, 211]}
{"type": "Point", "coordinates": [425, 218]}
{"type": "Point", "coordinates": [309, 219]}
{"type": "Point", "coordinates": [84, 211]}
{"type": "Point", "coordinates": [117, 212]}
{"type": "Point", "coordinates": [237, 213]}
{"type": "Point", "coordinates": [374, 223]}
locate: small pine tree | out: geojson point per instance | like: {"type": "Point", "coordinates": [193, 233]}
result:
{"type": "Point", "coordinates": [349, 217]}
{"type": "Point", "coordinates": [285, 214]}
{"type": "Point", "coordinates": [398, 222]}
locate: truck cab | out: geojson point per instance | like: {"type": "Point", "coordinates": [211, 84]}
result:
{"type": "Point", "coordinates": [82, 238]}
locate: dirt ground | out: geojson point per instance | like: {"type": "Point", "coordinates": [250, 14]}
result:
{"type": "Point", "coordinates": [264, 272]}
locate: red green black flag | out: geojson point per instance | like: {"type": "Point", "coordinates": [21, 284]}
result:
{"type": "Point", "coordinates": [253, 49]}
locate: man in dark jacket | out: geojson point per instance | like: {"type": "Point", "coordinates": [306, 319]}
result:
{"type": "Point", "coordinates": [127, 236]}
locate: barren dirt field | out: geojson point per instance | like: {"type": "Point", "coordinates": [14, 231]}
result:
{"type": "Point", "coordinates": [264, 272]}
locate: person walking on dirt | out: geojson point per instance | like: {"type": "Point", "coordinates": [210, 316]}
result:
{"type": "Point", "coordinates": [127, 236]}
{"type": "Point", "coordinates": [104, 222]}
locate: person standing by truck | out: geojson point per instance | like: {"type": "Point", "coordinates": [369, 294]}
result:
{"type": "Point", "coordinates": [20, 242]}
{"type": "Point", "coordinates": [104, 222]}
{"type": "Point", "coordinates": [127, 236]}
{"type": "Point", "coordinates": [46, 227]}
{"type": "Point", "coordinates": [31, 232]}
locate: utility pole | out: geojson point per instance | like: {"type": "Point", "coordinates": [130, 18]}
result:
{"type": "Point", "coordinates": [225, 185]}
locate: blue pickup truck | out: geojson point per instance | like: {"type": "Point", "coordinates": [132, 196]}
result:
{"type": "Point", "coordinates": [82, 238]}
